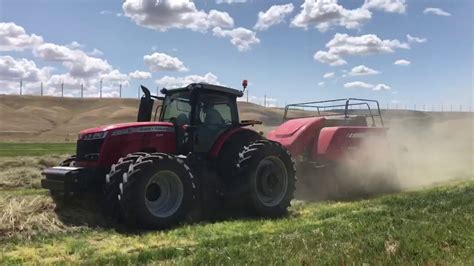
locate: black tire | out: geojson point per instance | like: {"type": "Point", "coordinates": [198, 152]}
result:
{"type": "Point", "coordinates": [269, 176]}
{"type": "Point", "coordinates": [110, 203]}
{"type": "Point", "coordinates": [70, 161]}
{"type": "Point", "coordinates": [229, 154]}
{"type": "Point", "coordinates": [158, 178]}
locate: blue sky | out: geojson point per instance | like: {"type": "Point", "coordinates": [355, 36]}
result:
{"type": "Point", "coordinates": [83, 42]}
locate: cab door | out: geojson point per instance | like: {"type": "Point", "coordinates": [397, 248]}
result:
{"type": "Point", "coordinates": [215, 114]}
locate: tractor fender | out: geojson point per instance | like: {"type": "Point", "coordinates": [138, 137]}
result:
{"type": "Point", "coordinates": [231, 134]}
{"type": "Point", "coordinates": [336, 142]}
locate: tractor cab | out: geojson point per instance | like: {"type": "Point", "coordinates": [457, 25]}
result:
{"type": "Point", "coordinates": [200, 113]}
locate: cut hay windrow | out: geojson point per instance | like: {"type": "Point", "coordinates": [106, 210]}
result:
{"type": "Point", "coordinates": [27, 216]}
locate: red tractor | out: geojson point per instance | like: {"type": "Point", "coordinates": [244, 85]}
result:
{"type": "Point", "coordinates": [197, 154]}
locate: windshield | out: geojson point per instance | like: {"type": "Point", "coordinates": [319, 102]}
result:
{"type": "Point", "coordinates": [176, 108]}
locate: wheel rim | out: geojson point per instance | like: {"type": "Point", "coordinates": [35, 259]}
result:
{"type": "Point", "coordinates": [164, 194]}
{"type": "Point", "coordinates": [271, 181]}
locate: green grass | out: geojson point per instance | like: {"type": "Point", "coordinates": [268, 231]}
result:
{"type": "Point", "coordinates": [36, 149]}
{"type": "Point", "coordinates": [426, 227]}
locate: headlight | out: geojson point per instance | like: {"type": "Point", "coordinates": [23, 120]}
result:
{"type": "Point", "coordinates": [93, 136]}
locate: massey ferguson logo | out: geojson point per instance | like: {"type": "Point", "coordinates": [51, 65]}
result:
{"type": "Point", "coordinates": [142, 130]}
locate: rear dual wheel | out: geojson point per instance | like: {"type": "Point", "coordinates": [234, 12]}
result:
{"type": "Point", "coordinates": [268, 175]}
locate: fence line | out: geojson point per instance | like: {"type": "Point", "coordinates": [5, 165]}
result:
{"type": "Point", "coordinates": [265, 101]}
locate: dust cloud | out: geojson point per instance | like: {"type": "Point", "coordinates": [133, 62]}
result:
{"type": "Point", "coordinates": [423, 150]}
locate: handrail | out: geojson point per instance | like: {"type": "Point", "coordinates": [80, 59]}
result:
{"type": "Point", "coordinates": [346, 104]}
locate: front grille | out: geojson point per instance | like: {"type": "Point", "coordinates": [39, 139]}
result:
{"type": "Point", "coordinates": [88, 150]}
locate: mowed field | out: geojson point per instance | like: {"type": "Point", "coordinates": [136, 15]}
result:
{"type": "Point", "coordinates": [429, 222]}
{"type": "Point", "coordinates": [430, 226]}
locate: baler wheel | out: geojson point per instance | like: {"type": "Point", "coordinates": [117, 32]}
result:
{"type": "Point", "coordinates": [268, 172]}
{"type": "Point", "coordinates": [157, 192]}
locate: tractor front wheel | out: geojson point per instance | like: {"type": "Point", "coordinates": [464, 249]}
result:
{"type": "Point", "coordinates": [269, 177]}
{"type": "Point", "coordinates": [157, 192]}
{"type": "Point", "coordinates": [113, 179]}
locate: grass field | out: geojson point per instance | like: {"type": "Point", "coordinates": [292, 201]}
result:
{"type": "Point", "coordinates": [431, 226]}
{"type": "Point", "coordinates": [24, 149]}
{"type": "Point", "coordinates": [427, 227]}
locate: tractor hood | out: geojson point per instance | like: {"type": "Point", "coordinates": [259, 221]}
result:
{"type": "Point", "coordinates": [125, 128]}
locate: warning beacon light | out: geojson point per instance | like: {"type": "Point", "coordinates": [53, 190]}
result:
{"type": "Point", "coordinates": [244, 84]}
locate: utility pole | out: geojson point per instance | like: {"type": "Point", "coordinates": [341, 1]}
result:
{"type": "Point", "coordinates": [62, 89]}
{"type": "Point", "coordinates": [82, 90]}
{"type": "Point", "coordinates": [41, 88]}
{"type": "Point", "coordinates": [120, 90]}
{"type": "Point", "coordinates": [265, 100]}
{"type": "Point", "coordinates": [100, 89]}
{"type": "Point", "coordinates": [247, 95]}
{"type": "Point", "coordinates": [138, 92]}
{"type": "Point", "coordinates": [157, 90]}
{"type": "Point", "coordinates": [21, 86]}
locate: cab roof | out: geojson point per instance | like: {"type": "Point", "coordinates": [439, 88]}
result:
{"type": "Point", "coordinates": [204, 86]}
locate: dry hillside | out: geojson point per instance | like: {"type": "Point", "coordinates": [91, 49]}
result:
{"type": "Point", "coordinates": [53, 119]}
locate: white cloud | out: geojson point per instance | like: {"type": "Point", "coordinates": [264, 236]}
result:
{"type": "Point", "coordinates": [105, 12]}
{"type": "Point", "coordinates": [114, 76]}
{"type": "Point", "coordinates": [12, 69]}
{"type": "Point", "coordinates": [14, 38]}
{"type": "Point", "coordinates": [230, 1]}
{"type": "Point", "coordinates": [75, 45]}
{"type": "Point", "coordinates": [176, 82]}
{"type": "Point", "coordinates": [363, 85]}
{"type": "Point", "coordinates": [72, 85]}
{"type": "Point", "coordinates": [220, 19]}
{"type": "Point", "coordinates": [358, 84]}
{"type": "Point", "coordinates": [362, 71]}
{"type": "Point", "coordinates": [328, 58]}
{"type": "Point", "coordinates": [381, 87]}
{"type": "Point", "coordinates": [321, 84]}
{"type": "Point", "coordinates": [167, 14]}
{"type": "Point", "coordinates": [163, 62]}
{"type": "Point", "coordinates": [415, 39]}
{"type": "Point", "coordinates": [328, 75]}
{"type": "Point", "coordinates": [77, 61]}
{"type": "Point", "coordinates": [96, 52]}
{"type": "Point", "coordinates": [274, 15]}
{"type": "Point", "coordinates": [240, 37]}
{"type": "Point", "coordinates": [436, 11]}
{"type": "Point", "coordinates": [345, 45]}
{"type": "Point", "coordinates": [83, 68]}
{"type": "Point", "coordinates": [402, 62]}
{"type": "Point", "coordinates": [139, 75]}
{"type": "Point", "coordinates": [325, 14]}
{"type": "Point", "coordinates": [393, 6]}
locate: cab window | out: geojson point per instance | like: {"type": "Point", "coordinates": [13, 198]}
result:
{"type": "Point", "coordinates": [177, 108]}
{"type": "Point", "coordinates": [216, 110]}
